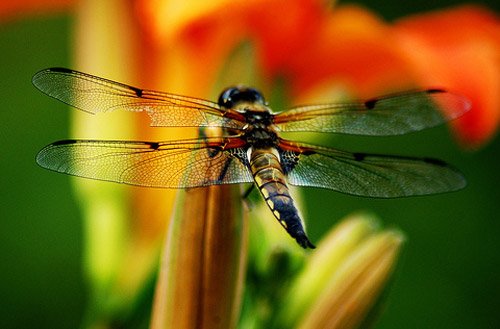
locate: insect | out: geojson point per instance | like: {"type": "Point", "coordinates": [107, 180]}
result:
{"type": "Point", "coordinates": [250, 149]}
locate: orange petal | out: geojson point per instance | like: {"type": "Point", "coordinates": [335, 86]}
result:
{"type": "Point", "coordinates": [353, 47]}
{"type": "Point", "coordinates": [212, 32]}
{"type": "Point", "coordinates": [309, 44]}
{"type": "Point", "coordinates": [459, 49]}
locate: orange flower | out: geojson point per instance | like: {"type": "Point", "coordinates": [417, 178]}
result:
{"type": "Point", "coordinates": [308, 45]}
{"type": "Point", "coordinates": [347, 48]}
{"type": "Point", "coordinates": [460, 50]}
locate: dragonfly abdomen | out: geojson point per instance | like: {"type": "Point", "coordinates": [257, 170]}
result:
{"type": "Point", "coordinates": [270, 180]}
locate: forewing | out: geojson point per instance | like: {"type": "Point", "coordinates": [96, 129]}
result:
{"type": "Point", "coordinates": [94, 94]}
{"type": "Point", "coordinates": [384, 116]}
{"type": "Point", "coordinates": [369, 174]}
{"type": "Point", "coordinates": [179, 164]}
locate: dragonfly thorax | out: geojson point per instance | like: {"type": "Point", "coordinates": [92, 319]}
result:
{"type": "Point", "coordinates": [258, 131]}
{"type": "Point", "coordinates": [261, 136]}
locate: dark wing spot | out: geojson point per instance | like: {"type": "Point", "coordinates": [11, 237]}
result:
{"type": "Point", "coordinates": [435, 91]}
{"type": "Point", "coordinates": [65, 142]}
{"type": "Point", "coordinates": [370, 104]}
{"type": "Point", "coordinates": [137, 91]}
{"type": "Point", "coordinates": [436, 162]}
{"type": "Point", "coordinates": [60, 69]}
{"type": "Point", "coordinates": [359, 156]}
{"type": "Point", "coordinates": [308, 152]}
{"type": "Point", "coordinates": [154, 145]}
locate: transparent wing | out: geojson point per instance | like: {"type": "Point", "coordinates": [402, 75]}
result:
{"type": "Point", "coordinates": [370, 175]}
{"type": "Point", "coordinates": [384, 116]}
{"type": "Point", "coordinates": [94, 94]}
{"type": "Point", "coordinates": [178, 164]}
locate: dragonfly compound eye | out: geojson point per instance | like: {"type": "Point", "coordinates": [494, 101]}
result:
{"type": "Point", "coordinates": [234, 95]}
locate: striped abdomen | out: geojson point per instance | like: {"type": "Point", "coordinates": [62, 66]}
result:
{"type": "Point", "coordinates": [270, 180]}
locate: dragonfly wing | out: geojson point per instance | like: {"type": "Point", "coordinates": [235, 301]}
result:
{"type": "Point", "coordinates": [178, 164]}
{"type": "Point", "coordinates": [384, 116]}
{"type": "Point", "coordinates": [369, 174]}
{"type": "Point", "coordinates": [94, 94]}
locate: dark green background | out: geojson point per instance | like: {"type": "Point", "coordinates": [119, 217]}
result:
{"type": "Point", "coordinates": [449, 276]}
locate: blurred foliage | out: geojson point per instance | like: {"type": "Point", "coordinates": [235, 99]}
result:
{"type": "Point", "coordinates": [448, 278]}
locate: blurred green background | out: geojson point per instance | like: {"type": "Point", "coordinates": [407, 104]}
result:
{"type": "Point", "coordinates": [449, 276]}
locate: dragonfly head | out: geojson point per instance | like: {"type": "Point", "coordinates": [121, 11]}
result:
{"type": "Point", "coordinates": [231, 96]}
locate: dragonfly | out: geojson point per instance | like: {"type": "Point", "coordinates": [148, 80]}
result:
{"type": "Point", "coordinates": [250, 148]}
